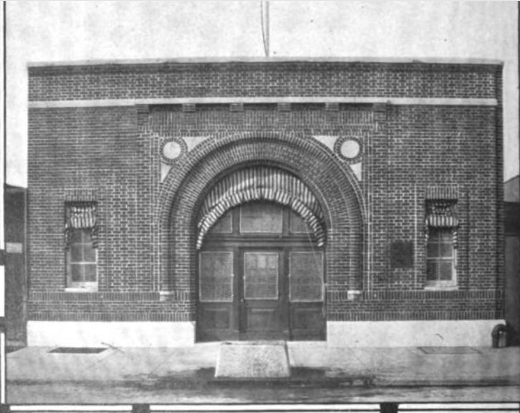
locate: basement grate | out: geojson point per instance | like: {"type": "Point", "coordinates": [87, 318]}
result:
{"type": "Point", "coordinates": [78, 350]}
{"type": "Point", "coordinates": [448, 350]}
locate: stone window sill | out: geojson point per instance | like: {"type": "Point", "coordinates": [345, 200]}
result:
{"type": "Point", "coordinates": [441, 287]}
{"type": "Point", "coordinates": [89, 289]}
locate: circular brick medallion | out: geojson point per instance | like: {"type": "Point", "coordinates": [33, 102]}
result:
{"type": "Point", "coordinates": [349, 148]}
{"type": "Point", "coordinates": [172, 149]}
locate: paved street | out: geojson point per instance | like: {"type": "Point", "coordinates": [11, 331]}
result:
{"type": "Point", "coordinates": [85, 393]}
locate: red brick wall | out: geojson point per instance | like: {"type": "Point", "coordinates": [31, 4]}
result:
{"type": "Point", "coordinates": [112, 154]}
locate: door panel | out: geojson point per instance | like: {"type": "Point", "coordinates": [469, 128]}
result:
{"type": "Point", "coordinates": [306, 292]}
{"type": "Point", "coordinates": [306, 276]}
{"type": "Point", "coordinates": [216, 317]}
{"type": "Point", "coordinates": [217, 312]}
{"type": "Point", "coordinates": [263, 313]}
{"type": "Point", "coordinates": [307, 321]}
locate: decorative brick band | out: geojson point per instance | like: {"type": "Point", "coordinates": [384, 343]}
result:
{"type": "Point", "coordinates": [341, 296]}
{"type": "Point", "coordinates": [113, 316]}
{"type": "Point", "coordinates": [332, 316]}
{"type": "Point", "coordinates": [94, 296]}
{"type": "Point", "coordinates": [412, 315]}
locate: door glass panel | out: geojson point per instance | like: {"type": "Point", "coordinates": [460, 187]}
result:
{"type": "Point", "coordinates": [260, 275]}
{"type": "Point", "coordinates": [261, 217]}
{"type": "Point", "coordinates": [306, 276]}
{"type": "Point", "coordinates": [216, 276]}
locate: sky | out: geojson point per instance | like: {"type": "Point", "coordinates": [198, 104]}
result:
{"type": "Point", "coordinates": [45, 31]}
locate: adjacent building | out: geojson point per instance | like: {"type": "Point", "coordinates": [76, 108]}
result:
{"type": "Point", "coordinates": [512, 244]}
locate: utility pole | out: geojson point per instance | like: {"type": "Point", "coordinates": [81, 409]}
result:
{"type": "Point", "coordinates": [264, 19]}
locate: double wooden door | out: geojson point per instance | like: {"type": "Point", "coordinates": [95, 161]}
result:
{"type": "Point", "coordinates": [261, 293]}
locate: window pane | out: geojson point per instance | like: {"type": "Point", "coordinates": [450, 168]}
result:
{"type": "Point", "coordinates": [76, 253]}
{"type": "Point", "coordinates": [445, 270]}
{"type": "Point", "coordinates": [431, 270]}
{"type": "Point", "coordinates": [89, 253]}
{"type": "Point", "coordinates": [446, 250]}
{"type": "Point", "coordinates": [434, 234]}
{"type": "Point", "coordinates": [446, 235]}
{"type": "Point", "coordinates": [297, 224]}
{"type": "Point", "coordinates": [261, 218]}
{"type": "Point", "coordinates": [433, 249]}
{"type": "Point", "coordinates": [76, 273]}
{"type": "Point", "coordinates": [224, 225]}
{"type": "Point", "coordinates": [90, 272]}
{"type": "Point", "coordinates": [76, 235]}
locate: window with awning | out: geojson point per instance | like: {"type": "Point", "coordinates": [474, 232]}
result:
{"type": "Point", "coordinates": [257, 184]}
{"type": "Point", "coordinates": [440, 214]}
{"type": "Point", "coordinates": [80, 215]}
{"type": "Point", "coordinates": [81, 245]}
{"type": "Point", "coordinates": [441, 226]}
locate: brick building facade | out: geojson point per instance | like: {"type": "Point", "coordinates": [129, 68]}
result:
{"type": "Point", "coordinates": [358, 202]}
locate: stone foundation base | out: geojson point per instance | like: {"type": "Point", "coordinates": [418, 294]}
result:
{"type": "Point", "coordinates": [451, 333]}
{"type": "Point", "coordinates": [118, 334]}
{"type": "Point", "coordinates": [339, 333]}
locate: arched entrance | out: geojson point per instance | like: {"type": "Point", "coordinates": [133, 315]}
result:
{"type": "Point", "coordinates": [261, 240]}
{"type": "Point", "coordinates": [183, 234]}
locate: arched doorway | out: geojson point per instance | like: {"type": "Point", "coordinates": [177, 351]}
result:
{"type": "Point", "coordinates": [261, 263]}
{"type": "Point", "coordinates": [338, 234]}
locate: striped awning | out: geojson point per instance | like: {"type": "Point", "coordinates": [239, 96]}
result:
{"type": "Point", "coordinates": [441, 214]}
{"type": "Point", "coordinates": [81, 215]}
{"type": "Point", "coordinates": [440, 221]}
{"type": "Point", "coordinates": [256, 184]}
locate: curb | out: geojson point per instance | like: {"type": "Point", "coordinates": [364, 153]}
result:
{"type": "Point", "coordinates": [366, 382]}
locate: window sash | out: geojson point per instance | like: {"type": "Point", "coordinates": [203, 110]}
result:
{"type": "Point", "coordinates": [441, 258]}
{"type": "Point", "coordinates": [81, 259]}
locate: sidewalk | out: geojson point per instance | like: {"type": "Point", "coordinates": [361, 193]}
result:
{"type": "Point", "coordinates": [312, 363]}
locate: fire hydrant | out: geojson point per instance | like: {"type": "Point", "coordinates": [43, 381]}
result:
{"type": "Point", "coordinates": [499, 336]}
